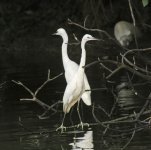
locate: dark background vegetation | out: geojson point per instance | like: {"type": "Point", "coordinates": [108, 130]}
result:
{"type": "Point", "coordinates": [28, 50]}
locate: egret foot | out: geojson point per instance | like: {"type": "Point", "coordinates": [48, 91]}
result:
{"type": "Point", "coordinates": [82, 125]}
{"type": "Point", "coordinates": [62, 128]}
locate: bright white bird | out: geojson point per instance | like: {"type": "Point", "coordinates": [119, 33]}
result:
{"type": "Point", "coordinates": [71, 67]}
{"type": "Point", "coordinates": [76, 87]}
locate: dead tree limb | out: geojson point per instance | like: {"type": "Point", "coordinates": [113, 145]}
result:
{"type": "Point", "coordinates": [34, 98]}
{"type": "Point", "coordinates": [119, 67]}
{"type": "Point", "coordinates": [130, 119]}
{"type": "Point", "coordinates": [96, 30]}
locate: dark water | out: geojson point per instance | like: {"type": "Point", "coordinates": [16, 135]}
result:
{"type": "Point", "coordinates": [34, 134]}
{"type": "Point", "coordinates": [20, 128]}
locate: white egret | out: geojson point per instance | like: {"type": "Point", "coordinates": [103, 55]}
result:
{"type": "Point", "coordinates": [76, 87]}
{"type": "Point", "coordinates": [71, 67]}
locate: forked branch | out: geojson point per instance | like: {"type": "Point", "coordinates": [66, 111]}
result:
{"type": "Point", "coordinates": [34, 98]}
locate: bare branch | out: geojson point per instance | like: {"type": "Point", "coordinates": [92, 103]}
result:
{"type": "Point", "coordinates": [122, 120]}
{"type": "Point", "coordinates": [48, 80]}
{"type": "Point", "coordinates": [135, 50]}
{"type": "Point", "coordinates": [96, 30]}
{"type": "Point", "coordinates": [25, 87]}
{"type": "Point", "coordinates": [136, 67]}
{"type": "Point", "coordinates": [85, 28]}
{"type": "Point", "coordinates": [1, 85]}
{"type": "Point", "coordinates": [134, 22]}
{"type": "Point", "coordinates": [85, 21]}
{"type": "Point", "coordinates": [45, 106]}
{"type": "Point", "coordinates": [129, 141]}
{"type": "Point", "coordinates": [120, 66]}
{"type": "Point", "coordinates": [105, 67]}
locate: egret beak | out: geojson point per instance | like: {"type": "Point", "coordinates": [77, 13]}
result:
{"type": "Point", "coordinates": [55, 33]}
{"type": "Point", "coordinates": [96, 39]}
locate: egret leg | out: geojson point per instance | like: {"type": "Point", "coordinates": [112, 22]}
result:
{"type": "Point", "coordinates": [62, 127]}
{"type": "Point", "coordinates": [81, 122]}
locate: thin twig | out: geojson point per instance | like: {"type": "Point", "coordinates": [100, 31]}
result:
{"type": "Point", "coordinates": [34, 98]}
{"type": "Point", "coordinates": [85, 28]}
{"type": "Point", "coordinates": [105, 67]}
{"type": "Point", "coordinates": [120, 66]}
{"type": "Point", "coordinates": [84, 24]}
{"type": "Point", "coordinates": [96, 30]}
{"type": "Point", "coordinates": [24, 86]}
{"type": "Point", "coordinates": [134, 22]}
{"type": "Point", "coordinates": [135, 50]}
{"type": "Point", "coordinates": [1, 85]}
{"type": "Point", "coordinates": [95, 118]}
{"type": "Point", "coordinates": [129, 141]}
{"type": "Point", "coordinates": [48, 80]}
{"type": "Point", "coordinates": [143, 108]}
{"type": "Point", "coordinates": [135, 66]}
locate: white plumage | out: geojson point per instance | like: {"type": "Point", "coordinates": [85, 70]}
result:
{"type": "Point", "coordinates": [71, 67]}
{"type": "Point", "coordinates": [75, 76]}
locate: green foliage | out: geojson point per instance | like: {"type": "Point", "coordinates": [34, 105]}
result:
{"type": "Point", "coordinates": [145, 2]}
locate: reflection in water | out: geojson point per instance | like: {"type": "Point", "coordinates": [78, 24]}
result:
{"type": "Point", "coordinates": [32, 141]}
{"type": "Point", "coordinates": [85, 142]}
{"type": "Point", "coordinates": [128, 99]}
{"type": "Point", "coordinates": [35, 134]}
{"type": "Point", "coordinates": [38, 134]}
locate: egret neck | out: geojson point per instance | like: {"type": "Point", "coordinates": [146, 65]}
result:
{"type": "Point", "coordinates": [65, 57]}
{"type": "Point", "coordinates": [83, 55]}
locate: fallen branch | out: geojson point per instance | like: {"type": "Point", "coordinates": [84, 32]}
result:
{"type": "Point", "coordinates": [34, 98]}
{"type": "Point", "coordinates": [130, 119]}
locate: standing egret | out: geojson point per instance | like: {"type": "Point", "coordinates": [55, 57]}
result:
{"type": "Point", "coordinates": [76, 87]}
{"type": "Point", "coordinates": [71, 67]}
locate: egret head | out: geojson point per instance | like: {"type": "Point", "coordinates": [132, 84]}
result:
{"type": "Point", "coordinates": [62, 33]}
{"type": "Point", "coordinates": [88, 37]}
